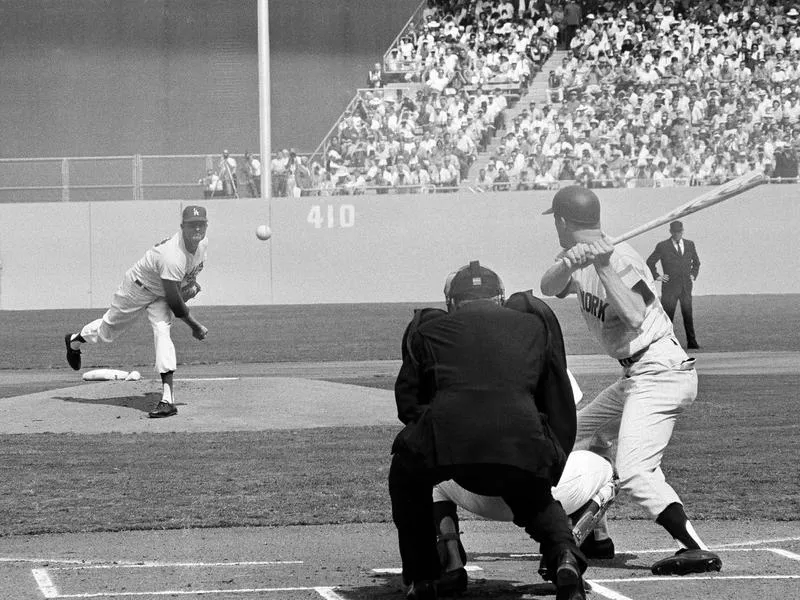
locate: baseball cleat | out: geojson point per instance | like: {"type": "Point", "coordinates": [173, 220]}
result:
{"type": "Point", "coordinates": [73, 356]}
{"type": "Point", "coordinates": [163, 409]}
{"type": "Point", "coordinates": [594, 548]}
{"type": "Point", "coordinates": [544, 572]}
{"type": "Point", "coordinates": [687, 561]}
{"type": "Point", "coordinates": [569, 583]}
{"type": "Point", "coordinates": [568, 572]}
{"type": "Point", "coordinates": [422, 590]}
{"type": "Point", "coordinates": [452, 583]}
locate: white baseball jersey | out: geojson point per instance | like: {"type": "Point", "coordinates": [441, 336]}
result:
{"type": "Point", "coordinates": [168, 259]}
{"type": "Point", "coordinates": [639, 410]}
{"type": "Point", "coordinates": [141, 290]}
{"type": "Point", "coordinates": [619, 339]}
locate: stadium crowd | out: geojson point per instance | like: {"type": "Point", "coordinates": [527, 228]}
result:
{"type": "Point", "coordinates": [649, 94]}
{"type": "Point", "coordinates": [462, 65]}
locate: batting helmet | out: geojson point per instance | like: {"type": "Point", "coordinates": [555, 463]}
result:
{"type": "Point", "coordinates": [472, 282]}
{"type": "Point", "coordinates": [576, 204]}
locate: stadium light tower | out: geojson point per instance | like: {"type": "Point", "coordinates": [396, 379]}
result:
{"type": "Point", "coordinates": [264, 116]}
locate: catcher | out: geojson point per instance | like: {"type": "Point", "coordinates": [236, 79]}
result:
{"type": "Point", "coordinates": [485, 397]}
{"type": "Point", "coordinates": [160, 283]}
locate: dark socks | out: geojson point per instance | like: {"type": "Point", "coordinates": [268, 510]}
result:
{"type": "Point", "coordinates": [674, 520]}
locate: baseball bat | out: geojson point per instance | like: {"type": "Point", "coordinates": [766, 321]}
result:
{"type": "Point", "coordinates": [732, 188]}
{"type": "Point", "coordinates": [716, 195]}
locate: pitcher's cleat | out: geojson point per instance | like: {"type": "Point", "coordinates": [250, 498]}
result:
{"type": "Point", "coordinates": [163, 409]}
{"type": "Point", "coordinates": [73, 356]}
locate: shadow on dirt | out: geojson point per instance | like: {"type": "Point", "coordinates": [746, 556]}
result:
{"type": "Point", "coordinates": [620, 561]}
{"type": "Point", "coordinates": [391, 588]}
{"type": "Point", "coordinates": [143, 403]}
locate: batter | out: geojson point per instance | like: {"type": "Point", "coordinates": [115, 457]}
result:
{"type": "Point", "coordinates": [160, 283]}
{"type": "Point", "coordinates": [617, 298]}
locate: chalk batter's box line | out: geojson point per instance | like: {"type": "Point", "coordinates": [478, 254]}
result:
{"type": "Point", "coordinates": [731, 547]}
{"type": "Point", "coordinates": [49, 590]}
{"type": "Point", "coordinates": [166, 565]}
{"type": "Point", "coordinates": [327, 593]}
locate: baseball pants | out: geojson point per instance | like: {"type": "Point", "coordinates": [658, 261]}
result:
{"type": "Point", "coordinates": [639, 410]}
{"type": "Point", "coordinates": [128, 302]}
{"type": "Point", "coordinates": [584, 474]}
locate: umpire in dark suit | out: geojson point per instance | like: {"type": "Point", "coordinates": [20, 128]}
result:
{"type": "Point", "coordinates": [485, 397]}
{"type": "Point", "coordinates": [681, 265]}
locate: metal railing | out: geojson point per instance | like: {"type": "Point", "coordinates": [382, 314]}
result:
{"type": "Point", "coordinates": [471, 187]}
{"type": "Point", "coordinates": [179, 177]}
{"type": "Point", "coordinates": [320, 151]}
{"type": "Point", "coordinates": [413, 21]}
{"type": "Point", "coordinates": [103, 178]}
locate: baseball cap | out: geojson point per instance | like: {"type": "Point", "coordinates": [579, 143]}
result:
{"type": "Point", "coordinates": [576, 204]}
{"type": "Point", "coordinates": [194, 213]}
{"type": "Point", "coordinates": [473, 282]}
{"type": "Point", "coordinates": [676, 226]}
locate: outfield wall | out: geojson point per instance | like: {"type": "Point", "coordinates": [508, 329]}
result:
{"type": "Point", "coordinates": [391, 248]}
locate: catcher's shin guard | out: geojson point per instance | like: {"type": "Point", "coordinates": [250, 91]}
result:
{"type": "Point", "coordinates": [585, 519]}
{"type": "Point", "coordinates": [445, 518]}
{"type": "Point", "coordinates": [594, 511]}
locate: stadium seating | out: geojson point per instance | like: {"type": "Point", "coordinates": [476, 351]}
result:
{"type": "Point", "coordinates": [666, 95]}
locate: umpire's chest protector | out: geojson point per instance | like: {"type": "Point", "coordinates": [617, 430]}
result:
{"type": "Point", "coordinates": [483, 363]}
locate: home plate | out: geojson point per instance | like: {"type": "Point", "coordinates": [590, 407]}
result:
{"type": "Point", "coordinates": [399, 570]}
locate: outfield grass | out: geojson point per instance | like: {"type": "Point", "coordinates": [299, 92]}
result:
{"type": "Point", "coordinates": [35, 339]}
{"type": "Point", "coordinates": [733, 456]}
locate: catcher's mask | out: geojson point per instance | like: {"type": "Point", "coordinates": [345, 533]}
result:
{"type": "Point", "coordinates": [472, 282]}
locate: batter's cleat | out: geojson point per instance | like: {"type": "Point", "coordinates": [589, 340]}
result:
{"type": "Point", "coordinates": [687, 561]}
{"type": "Point", "coordinates": [422, 590]}
{"type": "Point", "coordinates": [73, 356]}
{"type": "Point", "coordinates": [163, 409]}
{"type": "Point", "coordinates": [452, 583]}
{"type": "Point", "coordinates": [598, 549]}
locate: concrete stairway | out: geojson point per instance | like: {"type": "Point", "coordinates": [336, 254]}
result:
{"type": "Point", "coordinates": [537, 92]}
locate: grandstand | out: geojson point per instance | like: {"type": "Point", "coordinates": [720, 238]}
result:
{"type": "Point", "coordinates": [491, 96]}
{"type": "Point", "coordinates": [644, 96]}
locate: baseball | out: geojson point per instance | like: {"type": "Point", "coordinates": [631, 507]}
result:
{"type": "Point", "coordinates": [263, 232]}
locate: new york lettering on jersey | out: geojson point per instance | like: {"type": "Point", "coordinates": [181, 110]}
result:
{"type": "Point", "coordinates": [593, 305]}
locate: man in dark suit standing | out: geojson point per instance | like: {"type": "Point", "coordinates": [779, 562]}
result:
{"type": "Point", "coordinates": [680, 264]}
{"type": "Point", "coordinates": [485, 397]}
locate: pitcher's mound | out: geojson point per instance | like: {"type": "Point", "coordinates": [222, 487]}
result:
{"type": "Point", "coordinates": [217, 404]}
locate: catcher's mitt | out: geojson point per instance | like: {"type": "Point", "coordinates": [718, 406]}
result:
{"type": "Point", "coordinates": [686, 561]}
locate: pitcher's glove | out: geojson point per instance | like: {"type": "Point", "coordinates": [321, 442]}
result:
{"type": "Point", "coordinates": [190, 290]}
